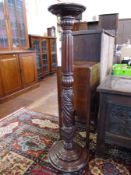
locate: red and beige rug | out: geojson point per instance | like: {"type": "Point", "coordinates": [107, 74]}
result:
{"type": "Point", "coordinates": [26, 137]}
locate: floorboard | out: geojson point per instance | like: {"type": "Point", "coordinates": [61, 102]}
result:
{"type": "Point", "coordinates": [42, 99]}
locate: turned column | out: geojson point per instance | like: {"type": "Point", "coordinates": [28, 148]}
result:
{"type": "Point", "coordinates": [66, 155]}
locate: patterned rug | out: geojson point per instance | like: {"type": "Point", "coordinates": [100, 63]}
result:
{"type": "Point", "coordinates": [26, 137]}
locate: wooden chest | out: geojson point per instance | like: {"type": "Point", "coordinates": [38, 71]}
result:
{"type": "Point", "coordinates": [114, 124]}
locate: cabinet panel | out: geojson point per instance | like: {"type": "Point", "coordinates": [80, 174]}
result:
{"type": "Point", "coordinates": [1, 88]}
{"type": "Point", "coordinates": [53, 52]}
{"type": "Point", "coordinates": [21, 23]}
{"type": "Point", "coordinates": [13, 23]}
{"type": "Point", "coordinates": [45, 55]}
{"type": "Point", "coordinates": [28, 68]}
{"type": "Point", "coordinates": [45, 48]}
{"type": "Point", "coordinates": [15, 30]}
{"type": "Point", "coordinates": [4, 42]}
{"type": "Point", "coordinates": [36, 44]}
{"type": "Point", "coordinates": [10, 74]}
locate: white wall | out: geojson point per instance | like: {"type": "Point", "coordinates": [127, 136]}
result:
{"type": "Point", "coordinates": [97, 7]}
{"type": "Point", "coordinates": [39, 18]}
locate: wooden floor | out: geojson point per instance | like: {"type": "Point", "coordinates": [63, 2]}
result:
{"type": "Point", "coordinates": [42, 99]}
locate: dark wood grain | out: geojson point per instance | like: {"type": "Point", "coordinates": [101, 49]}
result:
{"type": "Point", "coordinates": [80, 26]}
{"type": "Point", "coordinates": [66, 155]}
{"type": "Point", "coordinates": [88, 45]}
{"type": "Point", "coordinates": [10, 73]}
{"type": "Point", "coordinates": [17, 71]}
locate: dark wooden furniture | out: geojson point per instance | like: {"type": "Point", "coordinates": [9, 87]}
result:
{"type": "Point", "coordinates": [79, 26]}
{"type": "Point", "coordinates": [66, 155]}
{"type": "Point", "coordinates": [109, 22]}
{"type": "Point", "coordinates": [17, 73]}
{"type": "Point", "coordinates": [124, 32]}
{"type": "Point", "coordinates": [123, 27]}
{"type": "Point", "coordinates": [46, 54]}
{"type": "Point", "coordinates": [86, 79]}
{"type": "Point", "coordinates": [96, 46]}
{"type": "Point", "coordinates": [88, 44]}
{"type": "Point", "coordinates": [13, 27]}
{"type": "Point", "coordinates": [114, 124]}
{"type": "Point", "coordinates": [92, 25]}
{"type": "Point", "coordinates": [17, 66]}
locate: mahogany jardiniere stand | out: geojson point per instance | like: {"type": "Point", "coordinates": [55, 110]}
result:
{"type": "Point", "coordinates": [66, 155]}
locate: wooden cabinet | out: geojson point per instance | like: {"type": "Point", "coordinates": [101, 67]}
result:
{"type": "Point", "coordinates": [109, 22]}
{"type": "Point", "coordinates": [28, 68]}
{"type": "Point", "coordinates": [95, 46]}
{"type": "Point", "coordinates": [13, 28]}
{"type": "Point", "coordinates": [17, 73]}
{"type": "Point", "coordinates": [80, 26]}
{"type": "Point", "coordinates": [17, 66]}
{"type": "Point", "coordinates": [10, 73]}
{"type": "Point", "coordinates": [46, 56]}
{"type": "Point", "coordinates": [114, 124]}
{"type": "Point", "coordinates": [92, 25]}
{"type": "Point", "coordinates": [124, 32]}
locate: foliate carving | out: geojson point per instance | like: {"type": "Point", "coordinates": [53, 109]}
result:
{"type": "Point", "coordinates": [67, 80]}
{"type": "Point", "coordinates": [120, 120]}
{"type": "Point", "coordinates": [67, 22]}
{"type": "Point", "coordinates": [68, 109]}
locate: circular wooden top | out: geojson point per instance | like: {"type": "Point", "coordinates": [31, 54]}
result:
{"type": "Point", "coordinates": [67, 9]}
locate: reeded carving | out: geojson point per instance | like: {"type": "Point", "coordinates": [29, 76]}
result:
{"type": "Point", "coordinates": [67, 53]}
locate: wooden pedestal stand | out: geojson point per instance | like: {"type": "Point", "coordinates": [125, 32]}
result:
{"type": "Point", "coordinates": [65, 155]}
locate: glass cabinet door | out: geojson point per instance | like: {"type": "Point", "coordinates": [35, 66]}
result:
{"type": "Point", "coordinates": [3, 29]}
{"type": "Point", "coordinates": [44, 46]}
{"type": "Point", "coordinates": [53, 53]}
{"type": "Point", "coordinates": [13, 23]}
{"type": "Point", "coordinates": [21, 23]}
{"type": "Point", "coordinates": [36, 46]}
{"type": "Point", "coordinates": [16, 21]}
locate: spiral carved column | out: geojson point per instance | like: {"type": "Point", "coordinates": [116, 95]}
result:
{"type": "Point", "coordinates": [66, 155]}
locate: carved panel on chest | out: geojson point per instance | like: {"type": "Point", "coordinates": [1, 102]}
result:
{"type": "Point", "coordinates": [114, 125]}
{"type": "Point", "coordinates": [119, 120]}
